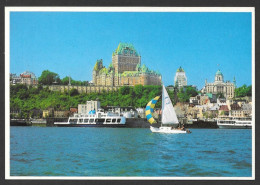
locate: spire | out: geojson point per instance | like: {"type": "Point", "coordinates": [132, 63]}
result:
{"type": "Point", "coordinates": [234, 81]}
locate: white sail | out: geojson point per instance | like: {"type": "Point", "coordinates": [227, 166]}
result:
{"type": "Point", "coordinates": [168, 113]}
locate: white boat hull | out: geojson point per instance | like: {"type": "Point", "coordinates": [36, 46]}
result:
{"type": "Point", "coordinates": [229, 126]}
{"type": "Point", "coordinates": [167, 130]}
{"type": "Point", "coordinates": [235, 123]}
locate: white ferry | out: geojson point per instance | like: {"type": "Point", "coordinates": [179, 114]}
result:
{"type": "Point", "coordinates": [232, 122]}
{"type": "Point", "coordinates": [98, 119]}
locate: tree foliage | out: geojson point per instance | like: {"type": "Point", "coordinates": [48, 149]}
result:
{"type": "Point", "coordinates": [243, 91]}
{"type": "Point", "coordinates": [48, 78]}
{"type": "Point", "coordinates": [65, 81]}
{"type": "Point", "coordinates": [38, 98]}
{"type": "Point", "coordinates": [184, 94]}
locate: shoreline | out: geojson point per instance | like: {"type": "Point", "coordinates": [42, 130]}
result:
{"type": "Point", "coordinates": [130, 123]}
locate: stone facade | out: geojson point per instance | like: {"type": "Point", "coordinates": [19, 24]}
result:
{"type": "Point", "coordinates": [81, 89]}
{"type": "Point", "coordinates": [180, 79]}
{"type": "Point", "coordinates": [219, 86]}
{"type": "Point", "coordinates": [125, 69]}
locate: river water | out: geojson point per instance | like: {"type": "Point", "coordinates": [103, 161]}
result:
{"type": "Point", "coordinates": [54, 151]}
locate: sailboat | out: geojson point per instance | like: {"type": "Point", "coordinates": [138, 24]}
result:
{"type": "Point", "coordinates": [168, 116]}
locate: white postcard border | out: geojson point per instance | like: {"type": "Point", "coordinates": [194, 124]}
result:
{"type": "Point", "coordinates": [116, 9]}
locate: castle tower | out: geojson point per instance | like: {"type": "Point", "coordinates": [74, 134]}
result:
{"type": "Point", "coordinates": [96, 69]}
{"type": "Point", "coordinates": [125, 58]}
{"type": "Point", "coordinates": [180, 78]}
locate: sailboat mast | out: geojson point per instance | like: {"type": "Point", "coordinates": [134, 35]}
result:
{"type": "Point", "coordinates": [162, 104]}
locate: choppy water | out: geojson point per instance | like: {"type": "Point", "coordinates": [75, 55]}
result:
{"type": "Point", "coordinates": [52, 151]}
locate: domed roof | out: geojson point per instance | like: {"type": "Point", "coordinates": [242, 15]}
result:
{"type": "Point", "coordinates": [219, 72]}
{"type": "Point", "coordinates": [180, 70]}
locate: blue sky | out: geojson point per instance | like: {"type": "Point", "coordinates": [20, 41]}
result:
{"type": "Point", "coordinates": [69, 43]}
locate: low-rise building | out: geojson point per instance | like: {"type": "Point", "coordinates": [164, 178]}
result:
{"type": "Point", "coordinates": [61, 113]}
{"type": "Point", "coordinates": [48, 113]}
{"type": "Point", "coordinates": [223, 110]}
{"type": "Point", "coordinates": [73, 110]}
{"type": "Point", "coordinates": [247, 109]}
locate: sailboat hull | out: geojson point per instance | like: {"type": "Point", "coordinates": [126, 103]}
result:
{"type": "Point", "coordinates": [167, 130]}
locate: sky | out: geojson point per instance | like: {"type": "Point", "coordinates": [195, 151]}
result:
{"type": "Point", "coordinates": [69, 43]}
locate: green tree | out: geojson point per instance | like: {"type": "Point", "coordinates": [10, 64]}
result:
{"type": "Point", "coordinates": [138, 90]}
{"type": "Point", "coordinates": [243, 91]}
{"type": "Point", "coordinates": [74, 92]}
{"type": "Point", "coordinates": [184, 94]}
{"type": "Point", "coordinates": [48, 78]}
{"type": "Point", "coordinates": [191, 91]}
{"type": "Point", "coordinates": [124, 90]}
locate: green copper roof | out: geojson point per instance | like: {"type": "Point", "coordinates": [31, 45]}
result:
{"type": "Point", "coordinates": [180, 70]}
{"type": "Point", "coordinates": [98, 65]}
{"type": "Point", "coordinates": [144, 69]}
{"type": "Point", "coordinates": [123, 48]}
{"type": "Point", "coordinates": [130, 73]}
{"type": "Point", "coordinates": [103, 71]}
{"type": "Point", "coordinates": [219, 72]}
{"type": "Point", "coordinates": [209, 95]}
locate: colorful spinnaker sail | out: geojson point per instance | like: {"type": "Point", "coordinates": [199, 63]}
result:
{"type": "Point", "coordinates": [149, 110]}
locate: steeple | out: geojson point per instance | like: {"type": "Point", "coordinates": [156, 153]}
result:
{"type": "Point", "coordinates": [234, 81]}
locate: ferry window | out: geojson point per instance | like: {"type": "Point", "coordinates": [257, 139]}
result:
{"type": "Point", "coordinates": [100, 121]}
{"type": "Point", "coordinates": [108, 120]}
{"type": "Point", "coordinates": [73, 121]}
{"type": "Point", "coordinates": [91, 120]}
{"type": "Point", "coordinates": [80, 120]}
{"type": "Point", "coordinates": [85, 120]}
{"type": "Point", "coordinates": [118, 120]}
{"type": "Point", "coordinates": [113, 120]}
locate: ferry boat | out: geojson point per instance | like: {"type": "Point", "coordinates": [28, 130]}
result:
{"type": "Point", "coordinates": [94, 119]}
{"type": "Point", "coordinates": [237, 123]}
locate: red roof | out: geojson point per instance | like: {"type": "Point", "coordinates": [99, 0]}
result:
{"type": "Point", "coordinates": [73, 109]}
{"type": "Point", "coordinates": [25, 76]}
{"type": "Point", "coordinates": [224, 108]}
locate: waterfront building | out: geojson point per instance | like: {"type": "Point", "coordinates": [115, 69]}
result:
{"type": "Point", "coordinates": [125, 69]}
{"type": "Point", "coordinates": [236, 110]}
{"type": "Point", "coordinates": [180, 79]}
{"type": "Point", "coordinates": [48, 113]}
{"type": "Point", "coordinates": [223, 110]}
{"type": "Point", "coordinates": [220, 87]}
{"type": "Point", "coordinates": [202, 99]}
{"type": "Point", "coordinates": [61, 113]}
{"type": "Point", "coordinates": [89, 106]}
